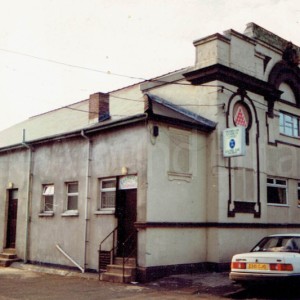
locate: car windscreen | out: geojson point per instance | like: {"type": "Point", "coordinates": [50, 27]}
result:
{"type": "Point", "coordinates": [278, 244]}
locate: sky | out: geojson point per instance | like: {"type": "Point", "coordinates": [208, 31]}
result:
{"type": "Point", "coordinates": [57, 52]}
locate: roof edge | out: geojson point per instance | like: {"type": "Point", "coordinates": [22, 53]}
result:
{"type": "Point", "coordinates": [76, 133]}
{"type": "Point", "coordinates": [195, 119]}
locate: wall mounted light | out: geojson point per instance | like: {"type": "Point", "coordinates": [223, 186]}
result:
{"type": "Point", "coordinates": [155, 130]}
{"type": "Point", "coordinates": [124, 171]}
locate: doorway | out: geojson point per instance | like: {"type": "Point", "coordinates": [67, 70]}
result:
{"type": "Point", "coordinates": [126, 214]}
{"type": "Point", "coordinates": [12, 218]}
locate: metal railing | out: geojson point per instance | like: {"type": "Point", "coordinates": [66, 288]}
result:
{"type": "Point", "coordinates": [129, 243]}
{"type": "Point", "coordinates": [111, 250]}
{"type": "Point", "coordinates": [128, 248]}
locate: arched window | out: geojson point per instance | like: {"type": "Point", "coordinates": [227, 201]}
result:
{"type": "Point", "coordinates": [288, 94]}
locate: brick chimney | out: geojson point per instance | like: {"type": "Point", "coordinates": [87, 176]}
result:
{"type": "Point", "coordinates": [99, 107]}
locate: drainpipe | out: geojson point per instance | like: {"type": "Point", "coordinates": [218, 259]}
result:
{"type": "Point", "coordinates": [87, 198]}
{"type": "Point", "coordinates": [29, 196]}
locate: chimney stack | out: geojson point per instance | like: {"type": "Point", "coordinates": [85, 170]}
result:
{"type": "Point", "coordinates": [99, 107]}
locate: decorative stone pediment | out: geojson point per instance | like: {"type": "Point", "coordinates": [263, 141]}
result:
{"type": "Point", "coordinates": [284, 72]}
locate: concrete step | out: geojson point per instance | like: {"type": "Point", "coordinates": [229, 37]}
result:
{"type": "Point", "coordinates": [118, 269]}
{"type": "Point", "coordinates": [114, 272]}
{"type": "Point", "coordinates": [131, 261]}
{"type": "Point", "coordinates": [9, 250]}
{"type": "Point", "coordinates": [117, 278]}
{"type": "Point", "coordinates": [7, 262]}
{"type": "Point", "coordinates": [7, 255]}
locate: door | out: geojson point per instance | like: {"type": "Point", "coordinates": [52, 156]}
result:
{"type": "Point", "coordinates": [126, 214]}
{"type": "Point", "coordinates": [12, 218]}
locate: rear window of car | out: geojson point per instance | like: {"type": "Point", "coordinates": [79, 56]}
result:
{"type": "Point", "coordinates": [278, 244]}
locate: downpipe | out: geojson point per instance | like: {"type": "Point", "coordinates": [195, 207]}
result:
{"type": "Point", "coordinates": [29, 197]}
{"type": "Point", "coordinates": [86, 217]}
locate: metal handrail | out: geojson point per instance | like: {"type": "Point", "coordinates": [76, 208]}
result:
{"type": "Point", "coordinates": [112, 249]}
{"type": "Point", "coordinates": [108, 236]}
{"type": "Point", "coordinates": [131, 238]}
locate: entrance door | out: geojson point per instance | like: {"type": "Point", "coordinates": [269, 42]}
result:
{"type": "Point", "coordinates": [126, 207]}
{"type": "Point", "coordinates": [12, 218]}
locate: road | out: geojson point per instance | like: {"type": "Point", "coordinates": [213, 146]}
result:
{"type": "Point", "coordinates": [28, 283]}
{"type": "Point", "coordinates": [24, 284]}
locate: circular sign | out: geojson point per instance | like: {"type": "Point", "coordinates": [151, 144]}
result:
{"type": "Point", "coordinates": [232, 143]}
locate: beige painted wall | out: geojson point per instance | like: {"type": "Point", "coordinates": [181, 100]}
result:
{"type": "Point", "coordinates": [176, 197]}
{"type": "Point", "coordinates": [171, 246]}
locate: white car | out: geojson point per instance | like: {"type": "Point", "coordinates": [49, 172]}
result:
{"type": "Point", "coordinates": [274, 257]}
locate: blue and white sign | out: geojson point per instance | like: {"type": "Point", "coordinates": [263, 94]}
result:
{"type": "Point", "coordinates": [234, 142]}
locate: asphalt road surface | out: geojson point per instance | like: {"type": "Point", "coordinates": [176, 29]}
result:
{"type": "Point", "coordinates": [24, 284]}
{"type": "Point", "coordinates": [18, 283]}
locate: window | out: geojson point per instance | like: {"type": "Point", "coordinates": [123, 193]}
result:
{"type": "Point", "coordinates": [276, 191]}
{"type": "Point", "coordinates": [72, 196]}
{"type": "Point", "coordinates": [107, 194]}
{"type": "Point", "coordinates": [288, 94]}
{"type": "Point", "coordinates": [48, 196]}
{"type": "Point", "coordinates": [289, 124]}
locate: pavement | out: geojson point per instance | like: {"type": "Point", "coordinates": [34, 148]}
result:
{"type": "Point", "coordinates": [209, 285]}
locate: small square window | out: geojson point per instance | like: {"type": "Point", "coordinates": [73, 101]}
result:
{"type": "Point", "coordinates": [48, 197]}
{"type": "Point", "coordinates": [107, 199]}
{"type": "Point", "coordinates": [280, 182]}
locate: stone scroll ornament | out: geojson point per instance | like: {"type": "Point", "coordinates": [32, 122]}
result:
{"type": "Point", "coordinates": [290, 55]}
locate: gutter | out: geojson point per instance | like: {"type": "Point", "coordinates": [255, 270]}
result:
{"type": "Point", "coordinates": [130, 120]}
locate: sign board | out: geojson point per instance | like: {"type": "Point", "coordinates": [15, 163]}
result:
{"type": "Point", "coordinates": [128, 182]}
{"type": "Point", "coordinates": [234, 142]}
{"type": "Point", "coordinates": [241, 117]}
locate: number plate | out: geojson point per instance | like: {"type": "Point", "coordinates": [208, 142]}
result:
{"type": "Point", "coordinates": [262, 267]}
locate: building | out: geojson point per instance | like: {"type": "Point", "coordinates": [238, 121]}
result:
{"type": "Point", "coordinates": [150, 166]}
